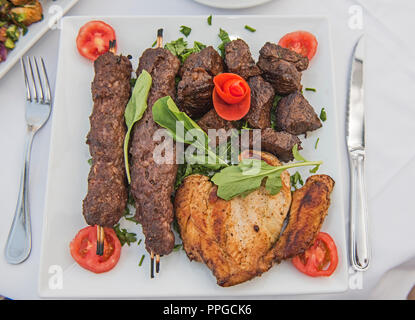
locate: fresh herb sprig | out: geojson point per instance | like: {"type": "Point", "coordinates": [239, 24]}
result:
{"type": "Point", "coordinates": [179, 48]}
{"type": "Point", "coordinates": [135, 110]}
{"type": "Point", "coordinates": [224, 36]}
{"type": "Point", "coordinates": [248, 175]}
{"type": "Point", "coordinates": [185, 30]}
{"type": "Point", "coordinates": [124, 236]}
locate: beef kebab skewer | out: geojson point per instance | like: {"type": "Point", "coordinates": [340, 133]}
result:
{"type": "Point", "coordinates": [152, 183]}
{"type": "Point", "coordinates": [107, 195]}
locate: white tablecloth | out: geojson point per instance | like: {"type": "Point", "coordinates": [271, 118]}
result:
{"type": "Point", "coordinates": [390, 167]}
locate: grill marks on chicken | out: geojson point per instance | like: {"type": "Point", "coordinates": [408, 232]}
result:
{"type": "Point", "coordinates": [194, 91]}
{"type": "Point", "coordinates": [106, 199]}
{"type": "Point", "coordinates": [152, 183]}
{"type": "Point", "coordinates": [308, 210]}
{"type": "Point", "coordinates": [233, 238]}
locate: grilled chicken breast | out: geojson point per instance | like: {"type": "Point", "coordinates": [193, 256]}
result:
{"type": "Point", "coordinates": [235, 238]}
{"type": "Point", "coordinates": [308, 210]}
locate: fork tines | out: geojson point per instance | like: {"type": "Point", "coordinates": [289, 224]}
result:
{"type": "Point", "coordinates": [36, 80]}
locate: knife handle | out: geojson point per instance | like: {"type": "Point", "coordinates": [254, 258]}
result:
{"type": "Point", "coordinates": [359, 237]}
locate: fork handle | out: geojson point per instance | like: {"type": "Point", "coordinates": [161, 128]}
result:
{"type": "Point", "coordinates": [359, 237]}
{"type": "Point", "coordinates": [19, 242]}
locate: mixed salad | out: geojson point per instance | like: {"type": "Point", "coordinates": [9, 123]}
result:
{"type": "Point", "coordinates": [15, 17]}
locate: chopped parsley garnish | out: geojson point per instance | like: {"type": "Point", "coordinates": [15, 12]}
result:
{"type": "Point", "coordinates": [315, 146]}
{"type": "Point", "coordinates": [177, 247]}
{"type": "Point", "coordinates": [179, 48]}
{"type": "Point", "coordinates": [273, 111]}
{"type": "Point", "coordinates": [154, 44]}
{"type": "Point", "coordinates": [250, 28]}
{"type": "Point", "coordinates": [141, 260]}
{"type": "Point", "coordinates": [139, 241]}
{"type": "Point", "coordinates": [185, 30]}
{"type": "Point", "coordinates": [323, 115]}
{"type": "Point", "coordinates": [209, 20]}
{"type": "Point", "coordinates": [90, 161]}
{"type": "Point", "coordinates": [224, 36]}
{"type": "Point", "coordinates": [124, 236]}
{"type": "Point", "coordinates": [310, 89]}
{"type": "Point", "coordinates": [295, 179]}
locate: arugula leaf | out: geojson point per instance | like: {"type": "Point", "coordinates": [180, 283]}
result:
{"type": "Point", "coordinates": [209, 20]}
{"type": "Point", "coordinates": [297, 155]}
{"type": "Point", "coordinates": [323, 115]}
{"type": "Point", "coordinates": [248, 175]}
{"type": "Point", "coordinates": [135, 110]}
{"type": "Point", "coordinates": [185, 30]}
{"type": "Point", "coordinates": [168, 116]}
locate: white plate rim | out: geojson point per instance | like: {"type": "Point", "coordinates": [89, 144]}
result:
{"type": "Point", "coordinates": [340, 159]}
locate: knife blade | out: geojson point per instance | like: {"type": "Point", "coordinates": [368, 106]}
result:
{"type": "Point", "coordinates": [355, 138]}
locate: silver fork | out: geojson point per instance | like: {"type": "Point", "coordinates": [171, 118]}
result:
{"type": "Point", "coordinates": [38, 106]}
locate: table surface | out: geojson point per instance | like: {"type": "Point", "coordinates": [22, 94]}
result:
{"type": "Point", "coordinates": [390, 114]}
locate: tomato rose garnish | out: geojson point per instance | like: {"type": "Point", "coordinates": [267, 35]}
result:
{"type": "Point", "coordinates": [84, 247]}
{"type": "Point", "coordinates": [320, 260]}
{"type": "Point", "coordinates": [231, 96]}
{"type": "Point", "coordinates": [302, 42]}
{"type": "Point", "coordinates": [93, 39]}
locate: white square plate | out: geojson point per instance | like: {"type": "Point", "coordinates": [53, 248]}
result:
{"type": "Point", "coordinates": [52, 11]}
{"type": "Point", "coordinates": [68, 169]}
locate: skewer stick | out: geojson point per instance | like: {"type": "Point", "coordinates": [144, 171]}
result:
{"type": "Point", "coordinates": [157, 263]}
{"type": "Point", "coordinates": [159, 38]}
{"type": "Point", "coordinates": [152, 264]}
{"type": "Point", "coordinates": [112, 46]}
{"type": "Point", "coordinates": [100, 240]}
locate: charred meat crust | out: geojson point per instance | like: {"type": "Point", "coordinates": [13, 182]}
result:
{"type": "Point", "coordinates": [106, 199]}
{"type": "Point", "coordinates": [273, 52]}
{"type": "Point", "coordinates": [262, 97]}
{"type": "Point", "coordinates": [238, 59]}
{"type": "Point", "coordinates": [194, 91]}
{"type": "Point", "coordinates": [308, 210]}
{"type": "Point", "coordinates": [152, 183]}
{"type": "Point", "coordinates": [295, 115]}
{"type": "Point", "coordinates": [277, 143]}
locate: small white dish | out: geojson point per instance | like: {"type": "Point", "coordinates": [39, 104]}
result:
{"type": "Point", "coordinates": [61, 276]}
{"type": "Point", "coordinates": [232, 4]}
{"type": "Point", "coordinates": [52, 10]}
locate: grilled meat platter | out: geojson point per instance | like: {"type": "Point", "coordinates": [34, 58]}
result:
{"type": "Point", "coordinates": [236, 205]}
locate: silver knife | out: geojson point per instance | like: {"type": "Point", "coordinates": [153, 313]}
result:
{"type": "Point", "coordinates": [355, 137]}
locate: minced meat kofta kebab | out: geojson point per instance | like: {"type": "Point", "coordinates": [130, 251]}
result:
{"type": "Point", "coordinates": [238, 225]}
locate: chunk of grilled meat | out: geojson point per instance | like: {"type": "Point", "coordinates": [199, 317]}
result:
{"type": "Point", "coordinates": [262, 97]}
{"type": "Point", "coordinates": [152, 183]}
{"type": "Point", "coordinates": [279, 144]}
{"type": "Point", "coordinates": [106, 199]}
{"type": "Point", "coordinates": [194, 91]}
{"type": "Point", "coordinates": [295, 115]}
{"type": "Point", "coordinates": [273, 52]}
{"type": "Point", "coordinates": [235, 238]}
{"type": "Point", "coordinates": [308, 210]}
{"type": "Point", "coordinates": [238, 59]}
{"type": "Point", "coordinates": [208, 59]}
{"type": "Point", "coordinates": [282, 68]}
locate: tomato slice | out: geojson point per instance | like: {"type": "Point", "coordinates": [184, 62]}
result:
{"type": "Point", "coordinates": [231, 96]}
{"type": "Point", "coordinates": [320, 260]}
{"type": "Point", "coordinates": [84, 247]}
{"type": "Point", "coordinates": [302, 42]}
{"type": "Point", "coordinates": [93, 39]}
